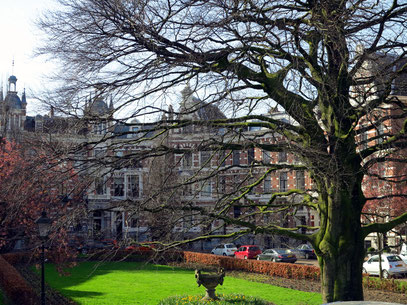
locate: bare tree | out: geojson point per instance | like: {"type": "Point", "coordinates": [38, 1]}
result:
{"type": "Point", "coordinates": [301, 56]}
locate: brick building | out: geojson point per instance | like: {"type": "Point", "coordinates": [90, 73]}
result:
{"type": "Point", "coordinates": [114, 190]}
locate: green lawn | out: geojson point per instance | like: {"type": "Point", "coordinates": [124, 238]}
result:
{"type": "Point", "coordinates": [128, 283]}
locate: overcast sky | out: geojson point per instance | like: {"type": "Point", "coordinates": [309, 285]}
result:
{"type": "Point", "coordinates": [18, 38]}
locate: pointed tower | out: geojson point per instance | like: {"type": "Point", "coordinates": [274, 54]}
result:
{"type": "Point", "coordinates": [1, 92]}
{"type": "Point", "coordinates": [111, 107]}
{"type": "Point", "coordinates": [24, 101]}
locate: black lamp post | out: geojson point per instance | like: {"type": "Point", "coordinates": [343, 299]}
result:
{"type": "Point", "coordinates": [44, 224]}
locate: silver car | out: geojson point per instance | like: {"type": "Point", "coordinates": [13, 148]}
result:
{"type": "Point", "coordinates": [224, 249]}
{"type": "Point", "coordinates": [392, 266]}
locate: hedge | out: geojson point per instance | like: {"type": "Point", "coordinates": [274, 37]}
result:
{"type": "Point", "coordinates": [290, 271]}
{"type": "Point", "coordinates": [17, 290]}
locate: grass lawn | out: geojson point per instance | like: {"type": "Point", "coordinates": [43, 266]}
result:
{"type": "Point", "coordinates": [128, 283]}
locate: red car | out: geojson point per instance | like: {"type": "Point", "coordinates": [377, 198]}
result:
{"type": "Point", "coordinates": [247, 252]}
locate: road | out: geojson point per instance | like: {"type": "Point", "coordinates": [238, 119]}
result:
{"type": "Point", "coordinates": [309, 262]}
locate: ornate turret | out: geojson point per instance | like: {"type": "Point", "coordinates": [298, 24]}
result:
{"type": "Point", "coordinates": [12, 100]}
{"type": "Point", "coordinates": [12, 108]}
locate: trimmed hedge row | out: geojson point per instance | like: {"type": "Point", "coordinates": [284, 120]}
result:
{"type": "Point", "coordinates": [290, 271]}
{"type": "Point", "coordinates": [14, 285]}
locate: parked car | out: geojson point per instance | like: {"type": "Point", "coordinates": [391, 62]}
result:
{"type": "Point", "coordinates": [392, 266]}
{"type": "Point", "coordinates": [224, 249]}
{"type": "Point", "coordinates": [277, 255]}
{"type": "Point", "coordinates": [247, 252]}
{"type": "Point", "coordinates": [303, 251]}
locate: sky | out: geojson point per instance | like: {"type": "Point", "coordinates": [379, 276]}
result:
{"type": "Point", "coordinates": [18, 38]}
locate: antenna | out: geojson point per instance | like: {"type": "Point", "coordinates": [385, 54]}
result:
{"type": "Point", "coordinates": [12, 67]}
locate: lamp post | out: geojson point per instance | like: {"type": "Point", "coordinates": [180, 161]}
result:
{"type": "Point", "coordinates": [44, 224]}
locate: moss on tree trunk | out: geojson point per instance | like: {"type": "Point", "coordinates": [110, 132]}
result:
{"type": "Point", "coordinates": [340, 242]}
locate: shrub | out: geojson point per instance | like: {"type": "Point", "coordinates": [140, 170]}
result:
{"type": "Point", "coordinates": [14, 285]}
{"type": "Point", "coordinates": [274, 269]}
{"type": "Point", "coordinates": [223, 299]}
{"type": "Point", "coordinates": [385, 284]}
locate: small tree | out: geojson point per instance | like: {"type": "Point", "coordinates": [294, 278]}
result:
{"type": "Point", "coordinates": [29, 186]}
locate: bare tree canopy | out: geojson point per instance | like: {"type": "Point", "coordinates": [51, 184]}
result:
{"type": "Point", "coordinates": [336, 68]}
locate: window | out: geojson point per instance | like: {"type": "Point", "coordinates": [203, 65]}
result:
{"type": "Point", "coordinates": [222, 158]}
{"type": "Point", "coordinates": [266, 156]}
{"type": "Point", "coordinates": [222, 185]}
{"type": "Point", "coordinates": [250, 156]}
{"type": "Point", "coordinates": [187, 189]}
{"type": "Point", "coordinates": [135, 133]}
{"type": "Point", "coordinates": [99, 152]}
{"type": "Point", "coordinates": [236, 180]}
{"type": "Point", "coordinates": [303, 222]}
{"type": "Point", "coordinates": [363, 140]}
{"type": "Point", "coordinates": [133, 186]}
{"type": "Point", "coordinates": [380, 133]}
{"type": "Point", "coordinates": [236, 157]}
{"type": "Point", "coordinates": [282, 156]}
{"type": "Point", "coordinates": [100, 186]}
{"type": "Point", "coordinates": [206, 189]}
{"type": "Point", "coordinates": [97, 220]}
{"type": "Point", "coordinates": [134, 222]}
{"type": "Point", "coordinates": [79, 160]}
{"type": "Point", "coordinates": [205, 158]}
{"type": "Point", "coordinates": [300, 180]}
{"type": "Point", "coordinates": [236, 212]}
{"type": "Point", "coordinates": [267, 184]}
{"type": "Point", "coordinates": [118, 186]}
{"type": "Point", "coordinates": [187, 160]}
{"type": "Point", "coordinates": [283, 182]}
{"type": "Point", "coordinates": [100, 128]}
{"type": "Point", "coordinates": [188, 220]}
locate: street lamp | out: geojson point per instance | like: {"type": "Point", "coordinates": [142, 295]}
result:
{"type": "Point", "coordinates": [44, 224]}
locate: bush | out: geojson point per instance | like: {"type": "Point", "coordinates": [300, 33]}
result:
{"type": "Point", "coordinates": [223, 299]}
{"type": "Point", "coordinates": [385, 284]}
{"type": "Point", "coordinates": [14, 285]}
{"type": "Point", "coordinates": [274, 269]}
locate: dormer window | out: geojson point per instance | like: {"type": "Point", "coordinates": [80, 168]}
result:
{"type": "Point", "coordinates": [100, 128]}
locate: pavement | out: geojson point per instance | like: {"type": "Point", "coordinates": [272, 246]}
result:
{"type": "Point", "coordinates": [362, 303]}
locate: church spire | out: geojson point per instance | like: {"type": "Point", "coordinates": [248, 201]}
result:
{"type": "Point", "coordinates": [111, 103]}
{"type": "Point", "coordinates": [24, 99]}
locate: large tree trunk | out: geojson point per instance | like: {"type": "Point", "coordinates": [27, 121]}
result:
{"type": "Point", "coordinates": [340, 244]}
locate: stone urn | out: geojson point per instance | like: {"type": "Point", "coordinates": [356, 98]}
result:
{"type": "Point", "coordinates": [210, 281]}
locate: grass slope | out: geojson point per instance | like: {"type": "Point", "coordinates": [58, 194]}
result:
{"type": "Point", "coordinates": [128, 283]}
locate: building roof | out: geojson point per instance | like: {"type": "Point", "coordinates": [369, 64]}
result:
{"type": "Point", "coordinates": [192, 107]}
{"type": "Point", "coordinates": [13, 101]}
{"type": "Point", "coordinates": [98, 107]}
